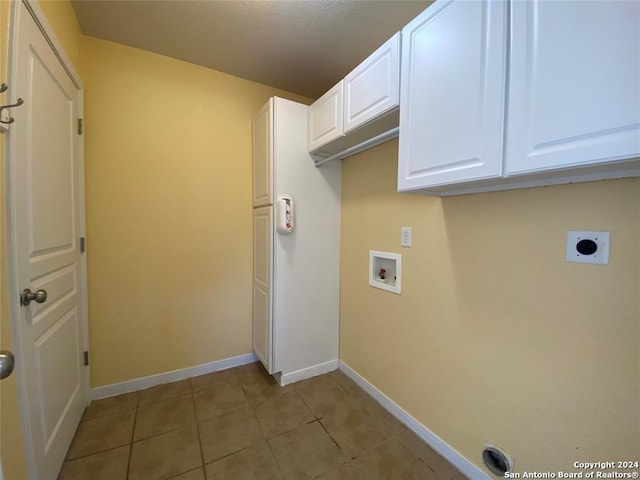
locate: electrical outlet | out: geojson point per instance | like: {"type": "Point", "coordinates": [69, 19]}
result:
{"type": "Point", "coordinates": [405, 237]}
{"type": "Point", "coordinates": [588, 247]}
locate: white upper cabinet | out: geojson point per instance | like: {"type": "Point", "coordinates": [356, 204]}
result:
{"type": "Point", "coordinates": [452, 94]}
{"type": "Point", "coordinates": [263, 157]}
{"type": "Point", "coordinates": [361, 110]}
{"type": "Point", "coordinates": [373, 87]}
{"type": "Point", "coordinates": [573, 104]}
{"type": "Point", "coordinates": [325, 118]}
{"type": "Point", "coordinates": [574, 95]}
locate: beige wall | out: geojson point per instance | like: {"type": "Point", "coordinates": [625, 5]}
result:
{"type": "Point", "coordinates": [61, 17]}
{"type": "Point", "coordinates": [486, 342]}
{"type": "Point", "coordinates": [11, 449]}
{"type": "Point", "coordinates": [495, 337]}
{"type": "Point", "coordinates": [168, 187]}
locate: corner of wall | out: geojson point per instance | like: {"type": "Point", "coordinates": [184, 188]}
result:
{"type": "Point", "coordinates": [63, 20]}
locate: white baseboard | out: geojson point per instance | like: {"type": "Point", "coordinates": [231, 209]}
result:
{"type": "Point", "coordinates": [173, 376]}
{"type": "Point", "coordinates": [305, 373]}
{"type": "Point", "coordinates": [430, 438]}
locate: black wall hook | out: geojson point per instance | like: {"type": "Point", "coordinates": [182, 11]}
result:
{"type": "Point", "coordinates": [3, 88]}
{"type": "Point", "coordinates": [17, 104]}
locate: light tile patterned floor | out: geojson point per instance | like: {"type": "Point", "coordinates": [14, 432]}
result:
{"type": "Point", "coordinates": [240, 424]}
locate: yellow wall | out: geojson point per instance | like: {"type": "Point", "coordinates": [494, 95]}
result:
{"type": "Point", "coordinates": [486, 342]}
{"type": "Point", "coordinates": [11, 449]}
{"type": "Point", "coordinates": [495, 337]}
{"type": "Point", "coordinates": [168, 186]}
{"type": "Point", "coordinates": [62, 19]}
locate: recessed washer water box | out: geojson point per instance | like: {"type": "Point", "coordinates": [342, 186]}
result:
{"type": "Point", "coordinates": [385, 271]}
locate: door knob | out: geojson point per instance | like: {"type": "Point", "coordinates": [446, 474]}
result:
{"type": "Point", "coordinates": [7, 362]}
{"type": "Point", "coordinates": [40, 296]}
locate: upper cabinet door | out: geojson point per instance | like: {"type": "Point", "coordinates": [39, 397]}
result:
{"type": "Point", "coordinates": [263, 156]}
{"type": "Point", "coordinates": [325, 118]}
{"type": "Point", "coordinates": [452, 94]}
{"type": "Point", "coordinates": [574, 96]}
{"type": "Point", "coordinates": [373, 88]}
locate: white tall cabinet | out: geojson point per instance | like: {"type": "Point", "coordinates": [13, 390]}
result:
{"type": "Point", "coordinates": [296, 276]}
{"type": "Point", "coordinates": [263, 235]}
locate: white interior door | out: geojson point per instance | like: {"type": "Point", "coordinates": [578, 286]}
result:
{"type": "Point", "coordinates": [45, 227]}
{"type": "Point", "coordinates": [262, 285]}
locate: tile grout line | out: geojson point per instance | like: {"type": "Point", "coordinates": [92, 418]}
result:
{"type": "Point", "coordinates": [372, 415]}
{"type": "Point", "coordinates": [91, 419]}
{"type": "Point", "coordinates": [273, 455]}
{"type": "Point", "coordinates": [309, 407]}
{"type": "Point", "coordinates": [155, 402]}
{"type": "Point", "coordinates": [133, 431]}
{"type": "Point", "coordinates": [67, 460]}
{"type": "Point", "coordinates": [195, 414]}
{"type": "Point", "coordinates": [175, 429]}
{"type": "Point", "coordinates": [335, 441]}
{"type": "Point", "coordinates": [390, 430]}
{"type": "Point", "coordinates": [252, 408]}
{"type": "Point", "coordinates": [248, 406]}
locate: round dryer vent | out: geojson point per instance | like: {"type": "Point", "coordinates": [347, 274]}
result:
{"type": "Point", "coordinates": [497, 460]}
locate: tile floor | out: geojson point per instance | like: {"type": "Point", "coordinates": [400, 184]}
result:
{"type": "Point", "coordinates": [240, 424]}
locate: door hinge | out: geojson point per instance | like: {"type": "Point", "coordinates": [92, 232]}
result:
{"type": "Point", "coordinates": [83, 244]}
{"type": "Point", "coordinates": [86, 358]}
{"type": "Point", "coordinates": [80, 126]}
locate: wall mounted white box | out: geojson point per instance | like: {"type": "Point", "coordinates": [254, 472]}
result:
{"type": "Point", "coordinates": [405, 237]}
{"type": "Point", "coordinates": [392, 264]}
{"type": "Point", "coordinates": [580, 244]}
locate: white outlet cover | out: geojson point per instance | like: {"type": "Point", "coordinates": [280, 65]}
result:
{"type": "Point", "coordinates": [600, 256]}
{"type": "Point", "coordinates": [405, 237]}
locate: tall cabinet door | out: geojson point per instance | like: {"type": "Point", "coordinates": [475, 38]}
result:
{"type": "Point", "coordinates": [263, 285]}
{"type": "Point", "coordinates": [263, 156]}
{"type": "Point", "coordinates": [574, 93]}
{"type": "Point", "coordinates": [452, 91]}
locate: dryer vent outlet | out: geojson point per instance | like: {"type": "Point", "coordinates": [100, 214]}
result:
{"type": "Point", "coordinates": [497, 460]}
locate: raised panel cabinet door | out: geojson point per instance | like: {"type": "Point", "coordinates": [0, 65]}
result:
{"type": "Point", "coordinates": [325, 118]}
{"type": "Point", "coordinates": [452, 94]}
{"type": "Point", "coordinates": [263, 285]}
{"type": "Point", "coordinates": [263, 156]}
{"type": "Point", "coordinates": [574, 94]}
{"type": "Point", "coordinates": [373, 87]}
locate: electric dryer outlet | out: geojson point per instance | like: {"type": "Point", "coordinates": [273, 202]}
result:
{"type": "Point", "coordinates": [588, 247]}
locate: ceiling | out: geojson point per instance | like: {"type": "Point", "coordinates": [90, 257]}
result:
{"type": "Point", "coordinates": [302, 46]}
